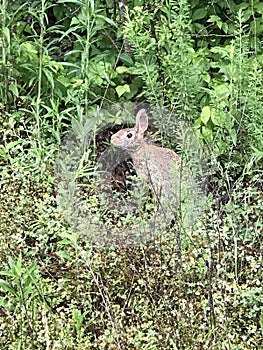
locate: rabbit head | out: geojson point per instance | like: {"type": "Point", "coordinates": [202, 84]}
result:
{"type": "Point", "coordinates": [131, 139]}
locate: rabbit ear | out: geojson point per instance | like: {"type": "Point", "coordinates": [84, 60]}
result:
{"type": "Point", "coordinates": [141, 121]}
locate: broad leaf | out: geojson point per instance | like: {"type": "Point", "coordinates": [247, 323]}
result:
{"type": "Point", "coordinates": [205, 114]}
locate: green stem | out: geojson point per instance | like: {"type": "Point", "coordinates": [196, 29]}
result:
{"type": "Point", "coordinates": [4, 54]}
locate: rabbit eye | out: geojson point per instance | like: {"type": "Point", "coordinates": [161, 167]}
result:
{"type": "Point", "coordinates": [129, 135]}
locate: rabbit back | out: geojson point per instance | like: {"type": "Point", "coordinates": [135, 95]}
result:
{"type": "Point", "coordinates": [161, 167]}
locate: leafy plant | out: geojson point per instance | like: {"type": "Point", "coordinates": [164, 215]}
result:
{"type": "Point", "coordinates": [21, 292]}
{"type": "Point", "coordinates": [164, 56]}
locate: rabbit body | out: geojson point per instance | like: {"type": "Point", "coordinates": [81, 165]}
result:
{"type": "Point", "coordinates": [160, 167]}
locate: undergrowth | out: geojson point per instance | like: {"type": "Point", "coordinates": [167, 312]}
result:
{"type": "Point", "coordinates": [196, 62]}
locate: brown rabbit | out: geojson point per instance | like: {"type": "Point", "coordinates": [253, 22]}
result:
{"type": "Point", "coordinates": [160, 167]}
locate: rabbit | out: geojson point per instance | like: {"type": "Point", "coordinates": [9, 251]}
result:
{"type": "Point", "coordinates": [160, 167]}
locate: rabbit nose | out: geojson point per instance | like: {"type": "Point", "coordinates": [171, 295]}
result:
{"type": "Point", "coordinates": [113, 138]}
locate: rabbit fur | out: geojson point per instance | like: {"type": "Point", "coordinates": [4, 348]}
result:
{"type": "Point", "coordinates": [160, 167]}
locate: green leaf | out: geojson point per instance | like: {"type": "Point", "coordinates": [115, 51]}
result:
{"type": "Point", "coordinates": [259, 7]}
{"type": "Point", "coordinates": [121, 69]}
{"type": "Point", "coordinates": [16, 267]}
{"type": "Point", "coordinates": [233, 135]}
{"type": "Point", "coordinates": [7, 287]}
{"type": "Point", "coordinates": [199, 14]}
{"type": "Point", "coordinates": [19, 265]}
{"type": "Point", "coordinates": [258, 154]}
{"type": "Point", "coordinates": [14, 89]}
{"type": "Point", "coordinates": [216, 19]}
{"type": "Point", "coordinates": [207, 133]}
{"type": "Point", "coordinates": [205, 114]}
{"type": "Point", "coordinates": [136, 84]}
{"type": "Point", "coordinates": [7, 273]}
{"type": "Point", "coordinates": [12, 145]}
{"type": "Point", "coordinates": [218, 118]}
{"type": "Point", "coordinates": [126, 59]}
{"type": "Point", "coordinates": [213, 19]}
{"type": "Point", "coordinates": [198, 123]}
{"type": "Point", "coordinates": [222, 91]}
{"type": "Point", "coordinates": [7, 34]}
{"type": "Point", "coordinates": [194, 3]}
{"type": "Point", "coordinates": [58, 13]}
{"type": "Point", "coordinates": [32, 271]}
{"type": "Point", "coordinates": [261, 321]}
{"type": "Point", "coordinates": [107, 19]}
{"type": "Point", "coordinates": [62, 254]}
{"type": "Point", "coordinates": [3, 302]}
{"type": "Point", "coordinates": [121, 89]}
